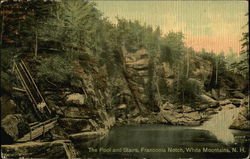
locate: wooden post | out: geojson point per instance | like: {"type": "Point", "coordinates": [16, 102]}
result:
{"type": "Point", "coordinates": [30, 135]}
{"type": "Point", "coordinates": [43, 130]}
{"type": "Point", "coordinates": [2, 29]}
{"type": "Point", "coordinates": [19, 89]}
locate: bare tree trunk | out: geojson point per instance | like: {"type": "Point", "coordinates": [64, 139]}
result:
{"type": "Point", "coordinates": [2, 29]}
{"type": "Point", "coordinates": [36, 43]}
{"type": "Point", "coordinates": [158, 91]}
{"type": "Point", "coordinates": [183, 96]}
{"type": "Point", "coordinates": [187, 65]}
{"type": "Point", "coordinates": [178, 76]}
{"type": "Point", "coordinates": [216, 73]}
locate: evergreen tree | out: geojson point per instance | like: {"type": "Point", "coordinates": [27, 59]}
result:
{"type": "Point", "coordinates": [73, 27]}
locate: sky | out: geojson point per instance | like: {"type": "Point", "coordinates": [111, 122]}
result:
{"type": "Point", "coordinates": [213, 25]}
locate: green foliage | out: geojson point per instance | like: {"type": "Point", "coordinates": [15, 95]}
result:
{"type": "Point", "coordinates": [151, 84]}
{"type": "Point", "coordinates": [5, 84]}
{"type": "Point", "coordinates": [77, 28]}
{"type": "Point", "coordinates": [166, 54]}
{"type": "Point", "coordinates": [26, 23]}
{"type": "Point", "coordinates": [7, 55]}
{"type": "Point", "coordinates": [55, 69]}
{"type": "Point", "coordinates": [219, 67]}
{"type": "Point", "coordinates": [163, 87]}
{"type": "Point", "coordinates": [230, 59]}
{"type": "Point", "coordinates": [241, 64]}
{"type": "Point", "coordinates": [209, 56]}
{"type": "Point", "coordinates": [73, 26]}
{"type": "Point", "coordinates": [137, 36]}
{"type": "Point", "coordinates": [189, 90]}
{"type": "Point", "coordinates": [172, 47]}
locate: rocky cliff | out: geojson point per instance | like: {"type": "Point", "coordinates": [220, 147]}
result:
{"type": "Point", "coordinates": [83, 107]}
{"type": "Point", "coordinates": [92, 102]}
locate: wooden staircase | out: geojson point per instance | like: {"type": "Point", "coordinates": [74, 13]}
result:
{"type": "Point", "coordinates": [39, 104]}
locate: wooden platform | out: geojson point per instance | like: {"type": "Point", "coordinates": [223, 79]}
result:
{"type": "Point", "coordinates": [39, 130]}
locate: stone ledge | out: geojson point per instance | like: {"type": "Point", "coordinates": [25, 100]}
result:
{"type": "Point", "coordinates": [55, 149]}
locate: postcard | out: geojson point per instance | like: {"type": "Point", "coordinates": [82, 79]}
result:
{"type": "Point", "coordinates": [124, 79]}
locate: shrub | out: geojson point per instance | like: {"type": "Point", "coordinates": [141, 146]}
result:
{"type": "Point", "coordinates": [190, 89]}
{"type": "Point", "coordinates": [55, 69]}
{"type": "Point", "coordinates": [7, 57]}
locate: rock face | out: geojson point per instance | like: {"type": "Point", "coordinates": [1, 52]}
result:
{"type": "Point", "coordinates": [133, 85]}
{"type": "Point", "coordinates": [225, 102]}
{"type": "Point", "coordinates": [8, 106]}
{"type": "Point", "coordinates": [87, 136]}
{"type": "Point", "coordinates": [84, 115]}
{"type": "Point", "coordinates": [188, 115]}
{"type": "Point", "coordinates": [183, 115]}
{"type": "Point", "coordinates": [209, 101]}
{"type": "Point", "coordinates": [83, 105]}
{"type": "Point", "coordinates": [72, 125]}
{"type": "Point", "coordinates": [175, 118]}
{"type": "Point", "coordinates": [14, 127]}
{"type": "Point", "coordinates": [202, 69]}
{"type": "Point", "coordinates": [141, 120]}
{"type": "Point", "coordinates": [76, 98]}
{"type": "Point", "coordinates": [242, 121]}
{"type": "Point", "coordinates": [137, 65]}
{"type": "Point", "coordinates": [238, 94]}
{"type": "Point", "coordinates": [56, 149]}
{"type": "Point", "coordinates": [236, 101]}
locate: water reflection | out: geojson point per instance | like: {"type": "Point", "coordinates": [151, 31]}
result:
{"type": "Point", "coordinates": [159, 137]}
{"type": "Point", "coordinates": [213, 134]}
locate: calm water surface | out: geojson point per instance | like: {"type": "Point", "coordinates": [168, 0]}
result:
{"type": "Point", "coordinates": [165, 142]}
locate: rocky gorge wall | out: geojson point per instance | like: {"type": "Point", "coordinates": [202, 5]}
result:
{"type": "Point", "coordinates": [93, 102]}
{"type": "Point", "coordinates": [83, 111]}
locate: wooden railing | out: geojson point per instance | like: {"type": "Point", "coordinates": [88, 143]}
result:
{"type": "Point", "coordinates": [39, 130]}
{"type": "Point", "coordinates": [31, 89]}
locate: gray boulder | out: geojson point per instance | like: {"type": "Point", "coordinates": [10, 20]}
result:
{"type": "Point", "coordinates": [75, 99]}
{"type": "Point", "coordinates": [8, 106]}
{"type": "Point", "coordinates": [176, 118]}
{"type": "Point", "coordinates": [237, 94]}
{"type": "Point", "coordinates": [14, 126]}
{"type": "Point", "coordinates": [242, 121]}
{"type": "Point", "coordinates": [208, 100]}
{"type": "Point", "coordinates": [224, 102]}
{"type": "Point", "coordinates": [72, 125]}
{"type": "Point", "coordinates": [56, 149]}
{"type": "Point", "coordinates": [236, 101]}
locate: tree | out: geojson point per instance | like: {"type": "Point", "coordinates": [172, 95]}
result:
{"type": "Point", "coordinates": [189, 90]}
{"type": "Point", "coordinates": [73, 27]}
{"type": "Point", "coordinates": [231, 58]}
{"type": "Point", "coordinates": [244, 63]}
{"type": "Point", "coordinates": [2, 25]}
{"type": "Point", "coordinates": [189, 51]}
{"type": "Point", "coordinates": [38, 11]}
